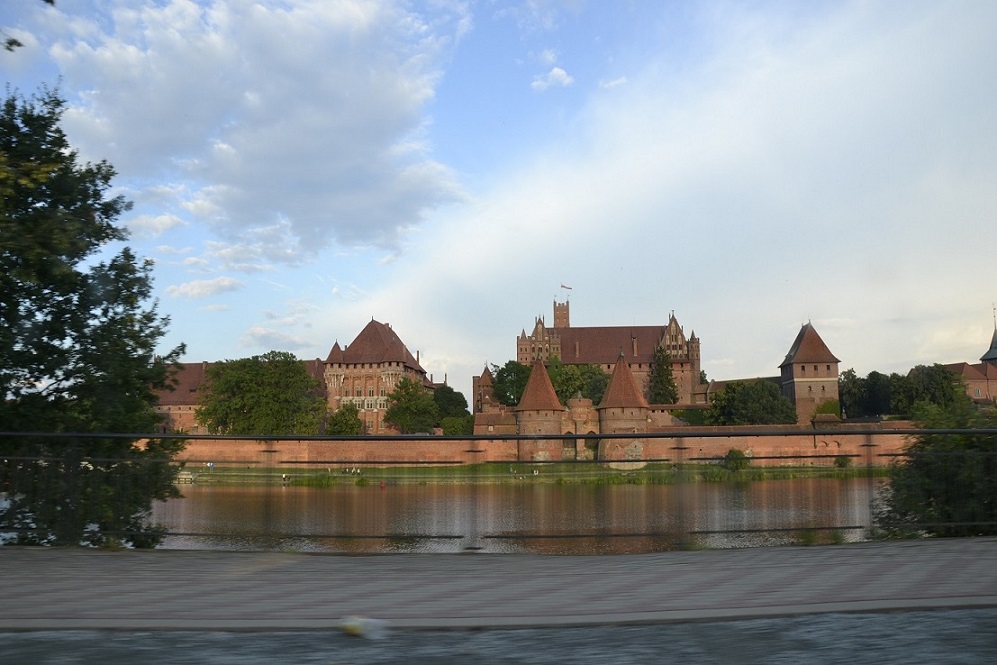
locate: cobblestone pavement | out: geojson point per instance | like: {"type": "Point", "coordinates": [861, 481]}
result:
{"type": "Point", "coordinates": [841, 602]}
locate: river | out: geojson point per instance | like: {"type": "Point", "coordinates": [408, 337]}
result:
{"type": "Point", "coordinates": [527, 517]}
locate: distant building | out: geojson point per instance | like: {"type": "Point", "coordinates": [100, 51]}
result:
{"type": "Point", "coordinates": [604, 345]}
{"type": "Point", "coordinates": [809, 374]}
{"type": "Point", "coordinates": [179, 406]}
{"type": "Point", "coordinates": [980, 379]}
{"type": "Point", "coordinates": [367, 370]}
{"type": "Point", "coordinates": [623, 409]}
{"type": "Point", "coordinates": [362, 373]}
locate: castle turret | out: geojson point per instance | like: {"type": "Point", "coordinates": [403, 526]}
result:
{"type": "Point", "coordinates": [809, 374]}
{"type": "Point", "coordinates": [539, 412]}
{"type": "Point", "coordinates": [622, 409]}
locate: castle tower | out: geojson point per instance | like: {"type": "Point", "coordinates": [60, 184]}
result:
{"type": "Point", "coordinates": [622, 409]}
{"type": "Point", "coordinates": [562, 314]}
{"type": "Point", "coordinates": [483, 389]}
{"type": "Point", "coordinates": [809, 374]}
{"type": "Point", "coordinates": [539, 412]}
{"type": "Point", "coordinates": [367, 370]}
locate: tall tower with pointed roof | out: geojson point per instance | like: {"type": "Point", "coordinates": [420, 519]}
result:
{"type": "Point", "coordinates": [539, 412]}
{"type": "Point", "coordinates": [623, 407]}
{"type": "Point", "coordinates": [809, 374]}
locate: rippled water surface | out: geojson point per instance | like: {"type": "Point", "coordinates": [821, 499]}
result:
{"type": "Point", "coordinates": [526, 517]}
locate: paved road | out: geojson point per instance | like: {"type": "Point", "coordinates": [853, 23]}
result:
{"type": "Point", "coordinates": [875, 603]}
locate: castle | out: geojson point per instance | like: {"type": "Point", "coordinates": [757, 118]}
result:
{"type": "Point", "coordinates": [367, 370]}
{"type": "Point", "coordinates": [603, 345]}
{"type": "Point", "coordinates": [362, 373]}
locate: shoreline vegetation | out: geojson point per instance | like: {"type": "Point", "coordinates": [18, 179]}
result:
{"type": "Point", "coordinates": [556, 473]}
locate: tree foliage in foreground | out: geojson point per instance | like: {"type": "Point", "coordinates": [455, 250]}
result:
{"type": "Point", "coordinates": [750, 403]}
{"type": "Point", "coordinates": [411, 408]}
{"type": "Point", "coordinates": [946, 485]}
{"type": "Point", "coordinates": [266, 395]}
{"type": "Point", "coordinates": [77, 346]}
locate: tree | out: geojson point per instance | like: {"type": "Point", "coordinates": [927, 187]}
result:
{"type": "Point", "coordinates": [509, 381]}
{"type": "Point", "coordinates": [457, 425]}
{"type": "Point", "coordinates": [266, 395]}
{"type": "Point", "coordinates": [946, 485]}
{"type": "Point", "coordinates": [449, 403]}
{"type": "Point", "coordinates": [661, 387]}
{"type": "Point", "coordinates": [569, 381]}
{"type": "Point", "coordinates": [931, 384]}
{"type": "Point", "coordinates": [411, 408]}
{"type": "Point", "coordinates": [77, 345]}
{"type": "Point", "coordinates": [345, 421]}
{"type": "Point", "coordinates": [750, 403]}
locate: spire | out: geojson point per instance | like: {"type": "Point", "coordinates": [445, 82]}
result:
{"type": "Point", "coordinates": [622, 390]}
{"type": "Point", "coordinates": [539, 393]}
{"type": "Point", "coordinates": [991, 355]}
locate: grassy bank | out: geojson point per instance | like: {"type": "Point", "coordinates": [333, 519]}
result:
{"type": "Point", "coordinates": [560, 473]}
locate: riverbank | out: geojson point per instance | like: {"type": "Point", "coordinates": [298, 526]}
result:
{"type": "Point", "coordinates": [561, 473]}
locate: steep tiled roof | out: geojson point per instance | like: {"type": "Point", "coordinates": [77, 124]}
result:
{"type": "Point", "coordinates": [539, 393]}
{"type": "Point", "coordinates": [376, 343]}
{"type": "Point", "coordinates": [991, 354]}
{"type": "Point", "coordinates": [335, 354]}
{"type": "Point", "coordinates": [809, 348]}
{"type": "Point", "coordinates": [602, 345]}
{"type": "Point", "coordinates": [622, 390]}
{"type": "Point", "coordinates": [486, 378]}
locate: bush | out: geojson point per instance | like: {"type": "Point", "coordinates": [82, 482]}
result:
{"type": "Point", "coordinates": [947, 483]}
{"type": "Point", "coordinates": [735, 460]}
{"type": "Point", "coordinates": [842, 461]}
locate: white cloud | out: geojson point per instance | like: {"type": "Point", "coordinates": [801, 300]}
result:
{"type": "Point", "coordinates": [204, 288]}
{"type": "Point", "coordinates": [294, 118]}
{"type": "Point", "coordinates": [613, 83]}
{"type": "Point", "coordinates": [262, 337]}
{"type": "Point", "coordinates": [154, 225]}
{"type": "Point", "coordinates": [555, 77]}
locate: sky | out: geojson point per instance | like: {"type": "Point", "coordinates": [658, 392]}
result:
{"type": "Point", "coordinates": [300, 167]}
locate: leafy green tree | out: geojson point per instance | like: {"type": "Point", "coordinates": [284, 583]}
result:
{"type": "Point", "coordinates": [77, 346]}
{"type": "Point", "coordinates": [266, 395]}
{"type": "Point", "coordinates": [931, 384]}
{"type": "Point", "coordinates": [594, 382]}
{"type": "Point", "coordinates": [750, 403]}
{"type": "Point", "coordinates": [458, 425]}
{"type": "Point", "coordinates": [449, 403]}
{"type": "Point", "coordinates": [661, 388]}
{"type": "Point", "coordinates": [411, 408]}
{"type": "Point", "coordinates": [509, 381]}
{"type": "Point", "coordinates": [946, 485]}
{"type": "Point", "coordinates": [345, 421]}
